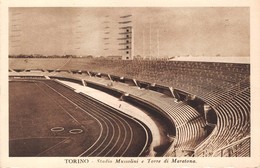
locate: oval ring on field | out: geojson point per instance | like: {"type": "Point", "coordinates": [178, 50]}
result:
{"type": "Point", "coordinates": [76, 131]}
{"type": "Point", "coordinates": [57, 129]}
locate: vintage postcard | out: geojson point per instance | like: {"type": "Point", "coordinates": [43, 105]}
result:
{"type": "Point", "coordinates": [164, 83]}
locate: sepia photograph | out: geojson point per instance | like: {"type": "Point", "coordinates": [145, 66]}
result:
{"type": "Point", "coordinates": [138, 82]}
{"type": "Point", "coordinates": [129, 85]}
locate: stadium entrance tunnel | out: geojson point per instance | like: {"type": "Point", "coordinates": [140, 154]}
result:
{"type": "Point", "coordinates": [50, 70]}
{"type": "Point", "coordinates": [34, 70]}
{"type": "Point", "coordinates": [19, 70]}
{"type": "Point", "coordinates": [210, 115]}
{"type": "Point", "coordinates": [200, 106]}
{"type": "Point", "coordinates": [66, 71]}
{"type": "Point", "coordinates": [155, 87]}
{"type": "Point", "coordinates": [143, 84]}
{"type": "Point", "coordinates": [92, 73]}
{"type": "Point", "coordinates": [205, 110]}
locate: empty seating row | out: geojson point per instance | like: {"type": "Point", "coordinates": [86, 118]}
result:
{"type": "Point", "coordinates": [223, 86]}
{"type": "Point", "coordinates": [189, 123]}
{"type": "Point", "coordinates": [233, 123]}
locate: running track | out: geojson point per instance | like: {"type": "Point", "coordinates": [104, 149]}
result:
{"type": "Point", "coordinates": [117, 134]}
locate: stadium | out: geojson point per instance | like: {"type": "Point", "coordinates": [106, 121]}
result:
{"type": "Point", "coordinates": [129, 106]}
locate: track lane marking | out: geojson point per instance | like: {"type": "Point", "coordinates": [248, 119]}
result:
{"type": "Point", "coordinates": [83, 101]}
{"type": "Point", "coordinates": [111, 116]}
{"type": "Point", "coordinates": [114, 115]}
{"type": "Point", "coordinates": [119, 135]}
{"type": "Point", "coordinates": [130, 128]}
{"type": "Point", "coordinates": [113, 128]}
{"type": "Point", "coordinates": [60, 106]}
{"type": "Point", "coordinates": [117, 117]}
{"type": "Point", "coordinates": [85, 112]}
{"type": "Point", "coordinates": [96, 114]}
{"type": "Point", "coordinates": [146, 133]}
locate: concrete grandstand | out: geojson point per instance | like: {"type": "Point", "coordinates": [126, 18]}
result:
{"type": "Point", "coordinates": [194, 108]}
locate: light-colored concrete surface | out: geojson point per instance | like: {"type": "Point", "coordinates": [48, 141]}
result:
{"type": "Point", "coordinates": [241, 60]}
{"type": "Point", "coordinates": [120, 105]}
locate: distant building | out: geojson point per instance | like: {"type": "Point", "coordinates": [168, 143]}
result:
{"type": "Point", "coordinates": [114, 57]}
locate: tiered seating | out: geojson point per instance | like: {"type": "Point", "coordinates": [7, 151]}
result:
{"type": "Point", "coordinates": [223, 86]}
{"type": "Point", "coordinates": [189, 123]}
{"type": "Point", "coordinates": [233, 123]}
{"type": "Point", "coordinates": [216, 83]}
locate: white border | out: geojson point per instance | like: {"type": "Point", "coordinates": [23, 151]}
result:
{"type": "Point", "coordinates": [253, 161]}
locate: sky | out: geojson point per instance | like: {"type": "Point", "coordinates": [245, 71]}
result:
{"type": "Point", "coordinates": [158, 32]}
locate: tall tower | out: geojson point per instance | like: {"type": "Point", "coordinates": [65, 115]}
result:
{"type": "Point", "coordinates": [106, 36]}
{"type": "Point", "coordinates": [78, 35]}
{"type": "Point", "coordinates": [15, 33]}
{"type": "Point", "coordinates": [127, 37]}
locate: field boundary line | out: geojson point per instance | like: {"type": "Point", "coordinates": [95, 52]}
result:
{"type": "Point", "coordinates": [85, 112]}
{"type": "Point", "coordinates": [52, 146]}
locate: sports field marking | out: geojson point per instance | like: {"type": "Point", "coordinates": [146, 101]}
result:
{"type": "Point", "coordinates": [146, 134]}
{"type": "Point", "coordinates": [131, 137]}
{"type": "Point", "coordinates": [59, 105]}
{"type": "Point", "coordinates": [119, 134]}
{"type": "Point", "coordinates": [131, 130]}
{"type": "Point", "coordinates": [103, 118]}
{"type": "Point", "coordinates": [56, 137]}
{"type": "Point", "coordinates": [112, 116]}
{"type": "Point", "coordinates": [53, 146]}
{"type": "Point", "coordinates": [113, 130]}
{"type": "Point", "coordinates": [75, 86]}
{"type": "Point", "coordinates": [76, 131]}
{"type": "Point", "coordinates": [101, 126]}
{"type": "Point", "coordinates": [57, 129]}
{"type": "Point", "coordinates": [125, 107]}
